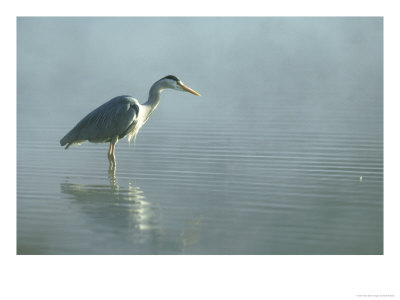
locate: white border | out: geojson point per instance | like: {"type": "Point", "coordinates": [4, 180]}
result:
{"type": "Point", "coordinates": [199, 277]}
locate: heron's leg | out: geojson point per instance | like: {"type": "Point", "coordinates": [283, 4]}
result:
{"type": "Point", "coordinates": [111, 153]}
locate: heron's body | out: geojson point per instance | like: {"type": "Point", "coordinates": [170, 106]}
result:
{"type": "Point", "coordinates": [120, 117]}
{"type": "Point", "coordinates": [116, 118]}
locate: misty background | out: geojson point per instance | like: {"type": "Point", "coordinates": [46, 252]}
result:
{"type": "Point", "coordinates": [72, 65]}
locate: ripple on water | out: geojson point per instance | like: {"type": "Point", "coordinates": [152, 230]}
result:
{"type": "Point", "coordinates": [187, 188]}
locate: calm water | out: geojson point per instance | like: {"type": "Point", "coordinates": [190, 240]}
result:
{"type": "Point", "coordinates": [281, 162]}
{"type": "Point", "coordinates": [185, 187]}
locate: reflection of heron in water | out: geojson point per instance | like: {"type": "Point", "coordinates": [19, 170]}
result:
{"type": "Point", "coordinates": [120, 216]}
{"type": "Point", "coordinates": [126, 221]}
{"type": "Point", "coordinates": [121, 116]}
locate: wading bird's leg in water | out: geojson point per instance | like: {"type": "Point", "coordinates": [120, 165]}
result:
{"type": "Point", "coordinates": [112, 177]}
{"type": "Point", "coordinates": [111, 153]}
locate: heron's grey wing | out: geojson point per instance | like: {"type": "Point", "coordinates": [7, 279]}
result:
{"type": "Point", "coordinates": [114, 118]}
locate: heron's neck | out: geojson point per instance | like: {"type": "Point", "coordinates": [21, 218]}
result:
{"type": "Point", "coordinates": [154, 97]}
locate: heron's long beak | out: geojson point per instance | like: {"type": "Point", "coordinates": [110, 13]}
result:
{"type": "Point", "coordinates": [188, 89]}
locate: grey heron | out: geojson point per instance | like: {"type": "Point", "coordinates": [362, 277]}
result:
{"type": "Point", "coordinates": [119, 117]}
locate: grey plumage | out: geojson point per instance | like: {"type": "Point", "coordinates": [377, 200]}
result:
{"type": "Point", "coordinates": [115, 118]}
{"type": "Point", "coordinates": [121, 116]}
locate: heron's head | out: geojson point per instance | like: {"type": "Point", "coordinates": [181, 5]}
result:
{"type": "Point", "coordinates": [172, 82]}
